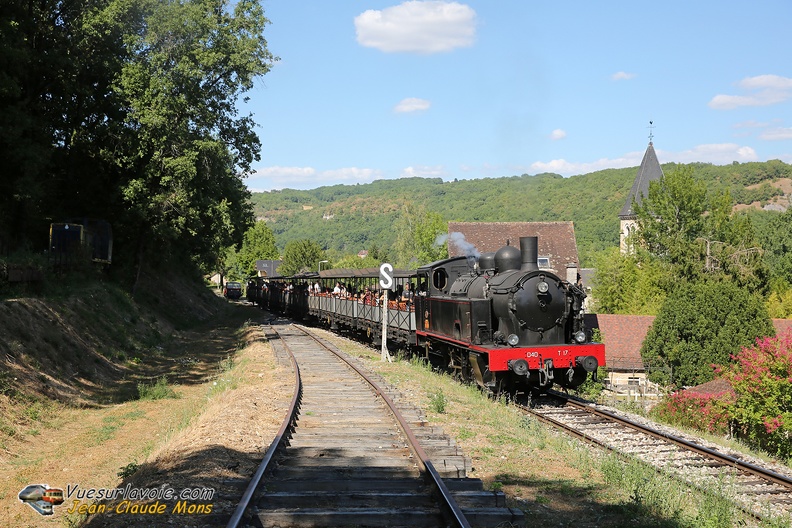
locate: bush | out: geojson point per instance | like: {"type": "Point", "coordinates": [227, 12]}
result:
{"type": "Point", "coordinates": [762, 380]}
{"type": "Point", "coordinates": [156, 391]}
{"type": "Point", "coordinates": [438, 402]}
{"type": "Point", "coordinates": [703, 324]}
{"type": "Point", "coordinates": [707, 412]}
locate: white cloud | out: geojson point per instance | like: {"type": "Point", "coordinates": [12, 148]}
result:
{"type": "Point", "coordinates": [767, 90]}
{"type": "Point", "coordinates": [750, 124]}
{"type": "Point", "coordinates": [558, 134]}
{"type": "Point", "coordinates": [622, 76]}
{"type": "Point", "coordinates": [567, 168]}
{"type": "Point", "coordinates": [774, 134]}
{"type": "Point", "coordinates": [269, 178]}
{"type": "Point", "coordinates": [417, 27]}
{"type": "Point", "coordinates": [718, 154]}
{"type": "Point", "coordinates": [770, 82]}
{"type": "Point", "coordinates": [423, 171]}
{"type": "Point", "coordinates": [412, 104]}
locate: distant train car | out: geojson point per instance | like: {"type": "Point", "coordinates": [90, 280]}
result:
{"type": "Point", "coordinates": [93, 238]}
{"type": "Point", "coordinates": [53, 496]}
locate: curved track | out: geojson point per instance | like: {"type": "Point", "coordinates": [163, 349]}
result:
{"type": "Point", "coordinates": [759, 491]}
{"type": "Point", "coordinates": [347, 456]}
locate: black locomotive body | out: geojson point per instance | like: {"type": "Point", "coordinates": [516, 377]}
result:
{"type": "Point", "coordinates": [508, 324]}
{"type": "Point", "coordinates": [498, 320]}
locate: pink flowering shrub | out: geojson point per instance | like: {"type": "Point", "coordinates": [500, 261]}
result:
{"type": "Point", "coordinates": [761, 376]}
{"type": "Point", "coordinates": [707, 412]}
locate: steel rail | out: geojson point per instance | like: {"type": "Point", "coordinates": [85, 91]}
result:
{"type": "Point", "coordinates": [453, 510]}
{"type": "Point", "coordinates": [725, 459]}
{"type": "Point", "coordinates": [280, 440]}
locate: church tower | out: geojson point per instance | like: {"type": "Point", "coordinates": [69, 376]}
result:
{"type": "Point", "coordinates": [649, 170]}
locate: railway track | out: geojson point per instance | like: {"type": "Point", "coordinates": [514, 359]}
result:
{"type": "Point", "coordinates": [347, 455]}
{"type": "Point", "coordinates": [759, 491]}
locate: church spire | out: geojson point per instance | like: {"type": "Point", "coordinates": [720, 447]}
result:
{"type": "Point", "coordinates": [649, 171]}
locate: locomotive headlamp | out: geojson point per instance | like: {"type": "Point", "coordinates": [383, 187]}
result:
{"type": "Point", "coordinates": [542, 287]}
{"type": "Point", "coordinates": [580, 336]}
{"type": "Point", "coordinates": [513, 339]}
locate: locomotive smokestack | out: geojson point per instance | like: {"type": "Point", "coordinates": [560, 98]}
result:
{"type": "Point", "coordinates": [529, 247]}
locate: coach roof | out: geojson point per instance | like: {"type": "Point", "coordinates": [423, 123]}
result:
{"type": "Point", "coordinates": [363, 273]}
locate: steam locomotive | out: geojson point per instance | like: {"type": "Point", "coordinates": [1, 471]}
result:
{"type": "Point", "coordinates": [497, 320]}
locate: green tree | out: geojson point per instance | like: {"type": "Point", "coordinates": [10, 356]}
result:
{"type": "Point", "coordinates": [300, 256]}
{"type": "Point", "coordinates": [701, 324]}
{"type": "Point", "coordinates": [626, 284]}
{"type": "Point", "coordinates": [355, 262]}
{"type": "Point", "coordinates": [776, 239]}
{"type": "Point", "coordinates": [186, 147]}
{"type": "Point", "coordinates": [671, 219]}
{"type": "Point", "coordinates": [58, 106]}
{"type": "Point", "coordinates": [258, 243]}
{"type": "Point", "coordinates": [696, 233]}
{"type": "Point", "coordinates": [421, 237]}
{"type": "Point", "coordinates": [379, 254]}
{"type": "Point", "coordinates": [229, 266]}
{"type": "Point", "coordinates": [779, 304]}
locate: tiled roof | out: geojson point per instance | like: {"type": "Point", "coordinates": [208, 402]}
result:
{"type": "Point", "coordinates": [556, 239]}
{"type": "Point", "coordinates": [623, 336]}
{"type": "Point", "coordinates": [782, 326]}
{"type": "Point", "coordinates": [716, 386]}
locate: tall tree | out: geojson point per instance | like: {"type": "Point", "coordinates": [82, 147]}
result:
{"type": "Point", "coordinates": [630, 284]}
{"type": "Point", "coordinates": [671, 219]}
{"type": "Point", "coordinates": [300, 256]}
{"type": "Point", "coordinates": [696, 232]}
{"type": "Point", "coordinates": [186, 146]}
{"type": "Point", "coordinates": [421, 237]}
{"type": "Point", "coordinates": [258, 244]}
{"type": "Point", "coordinates": [776, 239]}
{"type": "Point", "coordinates": [57, 108]}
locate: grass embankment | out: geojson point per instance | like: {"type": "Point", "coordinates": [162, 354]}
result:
{"type": "Point", "coordinates": [81, 369]}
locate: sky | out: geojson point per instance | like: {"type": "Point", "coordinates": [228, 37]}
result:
{"type": "Point", "coordinates": [371, 90]}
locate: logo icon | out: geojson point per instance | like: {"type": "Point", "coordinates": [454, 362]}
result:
{"type": "Point", "coordinates": [41, 497]}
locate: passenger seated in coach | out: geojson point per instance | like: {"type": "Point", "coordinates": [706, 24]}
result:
{"type": "Point", "coordinates": [337, 290]}
{"type": "Point", "coordinates": [407, 295]}
{"type": "Point", "coordinates": [367, 296]}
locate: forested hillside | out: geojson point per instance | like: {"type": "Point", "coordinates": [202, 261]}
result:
{"type": "Point", "coordinates": [348, 218]}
